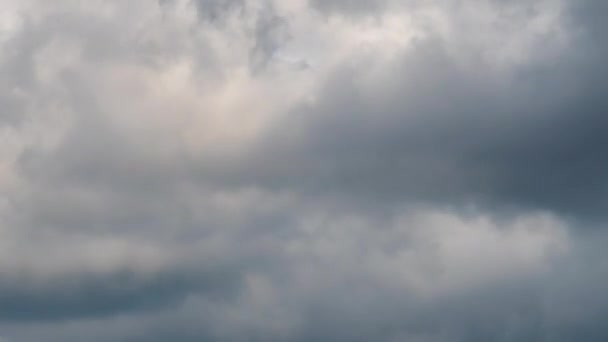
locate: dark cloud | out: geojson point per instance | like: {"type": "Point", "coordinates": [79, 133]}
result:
{"type": "Point", "coordinates": [165, 174]}
{"type": "Point", "coordinates": [271, 32]}
{"type": "Point", "coordinates": [216, 10]}
{"type": "Point", "coordinates": [350, 7]}
{"type": "Point", "coordinates": [436, 130]}
{"type": "Point", "coordinates": [93, 295]}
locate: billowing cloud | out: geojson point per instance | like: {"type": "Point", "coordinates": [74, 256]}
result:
{"type": "Point", "coordinates": [260, 170]}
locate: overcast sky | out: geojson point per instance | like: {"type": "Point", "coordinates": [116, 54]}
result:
{"type": "Point", "coordinates": [303, 170]}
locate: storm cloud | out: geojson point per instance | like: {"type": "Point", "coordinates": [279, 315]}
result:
{"type": "Point", "coordinates": [302, 170]}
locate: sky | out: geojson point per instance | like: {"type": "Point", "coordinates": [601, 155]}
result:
{"type": "Point", "coordinates": [303, 170]}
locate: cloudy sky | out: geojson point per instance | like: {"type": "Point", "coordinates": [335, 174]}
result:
{"type": "Point", "coordinates": [303, 170]}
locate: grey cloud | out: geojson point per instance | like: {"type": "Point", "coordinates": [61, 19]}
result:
{"type": "Point", "coordinates": [345, 218]}
{"type": "Point", "coordinates": [436, 130]}
{"type": "Point", "coordinates": [357, 7]}
{"type": "Point", "coordinates": [268, 32]}
{"type": "Point", "coordinates": [556, 306]}
{"type": "Point", "coordinates": [271, 32]}
{"type": "Point", "coordinates": [215, 10]}
{"type": "Point", "coordinates": [85, 296]}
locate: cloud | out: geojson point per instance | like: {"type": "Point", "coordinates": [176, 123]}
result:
{"type": "Point", "coordinates": [302, 170]}
{"type": "Point", "coordinates": [444, 124]}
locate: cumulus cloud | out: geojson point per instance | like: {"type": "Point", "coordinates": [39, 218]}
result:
{"type": "Point", "coordinates": [260, 170]}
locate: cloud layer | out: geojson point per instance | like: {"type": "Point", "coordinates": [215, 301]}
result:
{"type": "Point", "coordinates": [302, 170]}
